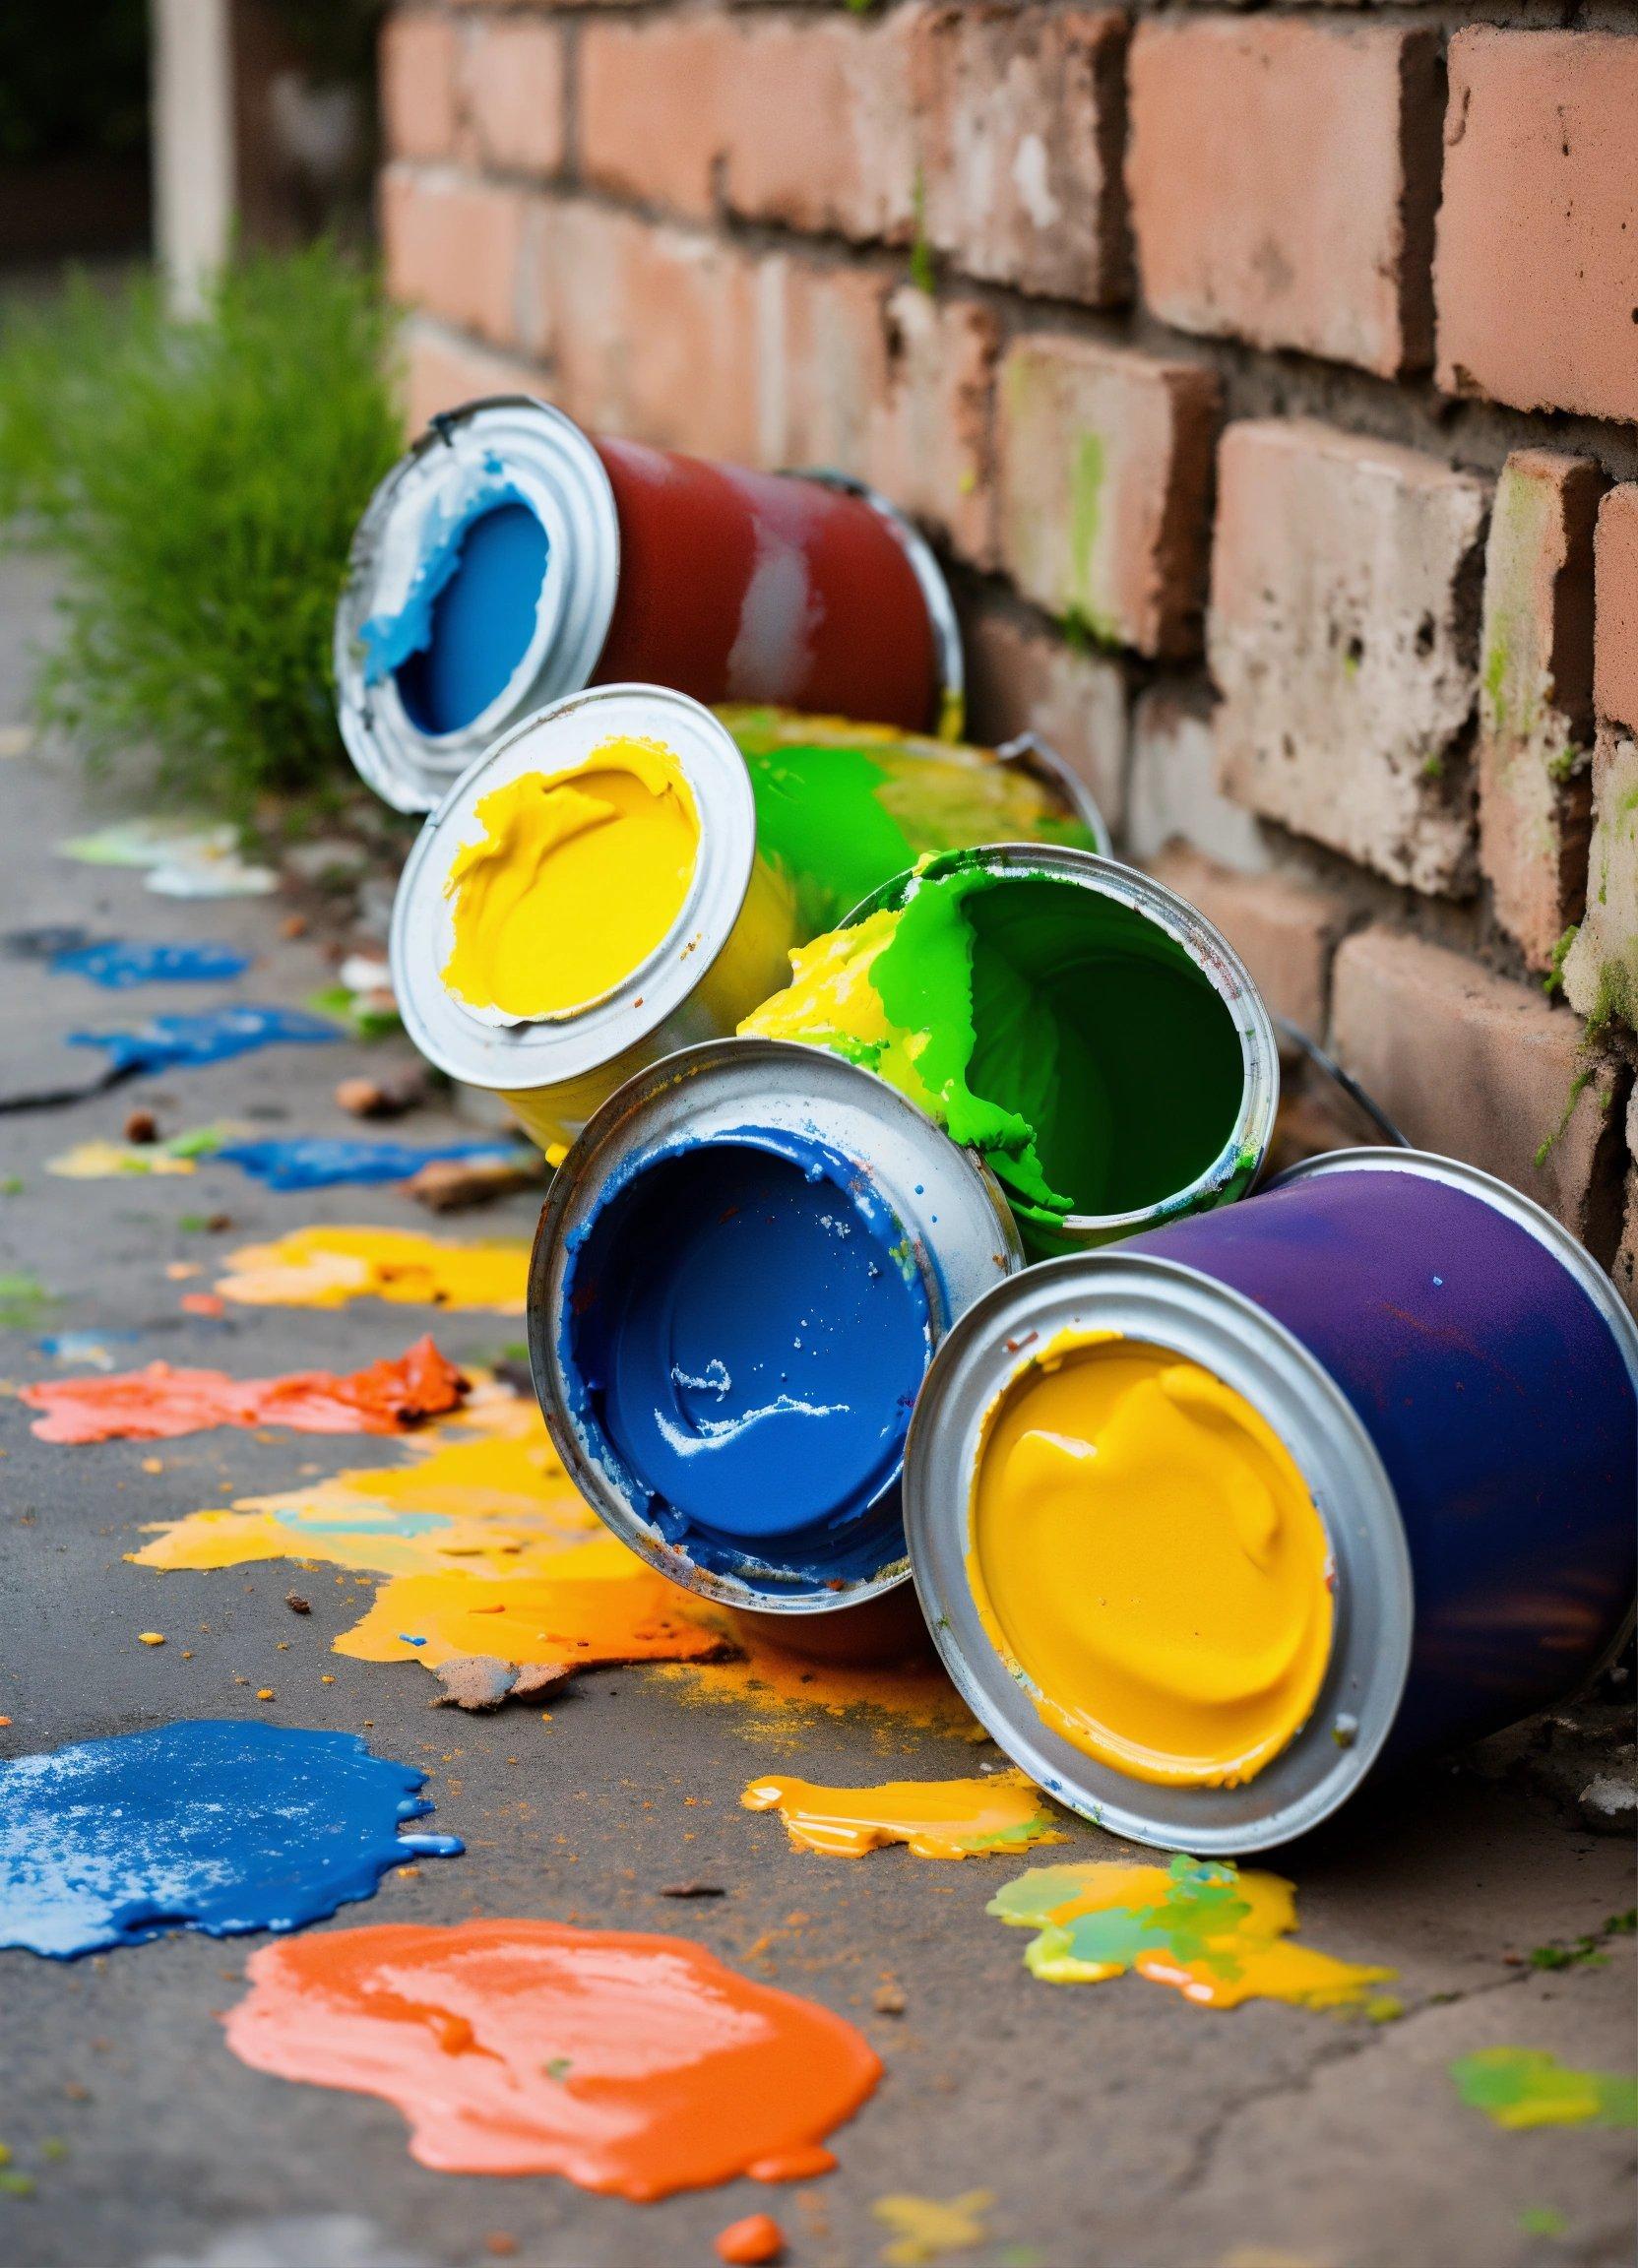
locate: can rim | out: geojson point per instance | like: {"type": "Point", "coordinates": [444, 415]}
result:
{"type": "Point", "coordinates": [724, 1077]}
{"type": "Point", "coordinates": [1163, 1301]}
{"type": "Point", "coordinates": [544, 1052]}
{"type": "Point", "coordinates": [1034, 753]}
{"type": "Point", "coordinates": [555, 467]}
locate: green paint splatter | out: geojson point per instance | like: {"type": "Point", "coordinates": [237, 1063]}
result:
{"type": "Point", "coordinates": [1541, 2221]}
{"type": "Point", "coordinates": [22, 1299]}
{"type": "Point", "coordinates": [1086, 513]}
{"type": "Point", "coordinates": [1518, 2087]}
{"type": "Point", "coordinates": [923, 271]}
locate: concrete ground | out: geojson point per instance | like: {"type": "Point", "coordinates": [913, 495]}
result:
{"type": "Point", "coordinates": [1113, 2125]}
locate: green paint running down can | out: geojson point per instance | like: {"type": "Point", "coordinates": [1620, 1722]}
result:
{"type": "Point", "coordinates": [842, 808]}
{"type": "Point", "coordinates": [1090, 1034]}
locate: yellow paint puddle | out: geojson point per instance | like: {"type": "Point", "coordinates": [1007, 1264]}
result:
{"type": "Point", "coordinates": [777, 1689]}
{"type": "Point", "coordinates": [323, 1267]}
{"type": "Point", "coordinates": [935, 1818]}
{"type": "Point", "coordinates": [1215, 1934]}
{"type": "Point", "coordinates": [924, 2229]}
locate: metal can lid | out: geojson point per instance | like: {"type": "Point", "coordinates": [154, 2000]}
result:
{"type": "Point", "coordinates": [1147, 1298]}
{"type": "Point", "coordinates": [513, 1055]}
{"type": "Point", "coordinates": [507, 449]}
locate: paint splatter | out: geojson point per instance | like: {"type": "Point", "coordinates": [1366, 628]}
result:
{"type": "Point", "coordinates": [779, 1689]}
{"type": "Point", "coordinates": [183, 860]}
{"type": "Point", "coordinates": [936, 1818]}
{"type": "Point", "coordinates": [22, 1298]}
{"type": "Point", "coordinates": [327, 1267]}
{"type": "Point", "coordinates": [110, 1161]}
{"type": "Point", "coordinates": [1519, 2087]}
{"type": "Point", "coordinates": [319, 1162]}
{"type": "Point", "coordinates": [751, 2243]}
{"type": "Point", "coordinates": [183, 1043]}
{"type": "Point", "coordinates": [206, 1825]}
{"type": "Point", "coordinates": [1212, 1932]}
{"type": "Point", "coordinates": [632, 2065]}
{"type": "Point", "coordinates": [158, 1402]}
{"type": "Point", "coordinates": [926, 2227]}
{"type": "Point", "coordinates": [91, 1348]}
{"type": "Point", "coordinates": [117, 962]}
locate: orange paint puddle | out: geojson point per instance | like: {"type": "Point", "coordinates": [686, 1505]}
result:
{"type": "Point", "coordinates": [327, 1267]}
{"type": "Point", "coordinates": [628, 2063]}
{"type": "Point", "coordinates": [158, 1402]}
{"type": "Point", "coordinates": [936, 1818]}
{"type": "Point", "coordinates": [749, 2242]}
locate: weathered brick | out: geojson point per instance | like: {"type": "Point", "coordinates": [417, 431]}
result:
{"type": "Point", "coordinates": [1537, 274]}
{"type": "Point", "coordinates": [1019, 115]}
{"type": "Point", "coordinates": [442, 370]}
{"type": "Point", "coordinates": [1601, 969]}
{"type": "Point", "coordinates": [512, 76]}
{"type": "Point", "coordinates": [1476, 1066]}
{"type": "Point", "coordinates": [1283, 176]}
{"type": "Point", "coordinates": [1343, 636]}
{"type": "Point", "coordinates": [1536, 695]}
{"type": "Point", "coordinates": [1020, 679]}
{"type": "Point", "coordinates": [455, 247]}
{"type": "Point", "coordinates": [1104, 460]}
{"type": "Point", "coordinates": [1172, 790]}
{"type": "Point", "coordinates": [1616, 631]}
{"type": "Point", "coordinates": [1286, 931]}
{"type": "Point", "coordinates": [418, 85]}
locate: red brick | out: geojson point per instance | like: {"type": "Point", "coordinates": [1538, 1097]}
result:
{"type": "Point", "coordinates": [1616, 635]}
{"type": "Point", "coordinates": [1343, 637]}
{"type": "Point", "coordinates": [1476, 1066]}
{"type": "Point", "coordinates": [443, 370]}
{"type": "Point", "coordinates": [513, 81]}
{"type": "Point", "coordinates": [418, 85]}
{"type": "Point", "coordinates": [1283, 176]}
{"type": "Point", "coordinates": [455, 246]}
{"type": "Point", "coordinates": [1535, 696]}
{"type": "Point", "coordinates": [1104, 460]}
{"type": "Point", "coordinates": [1283, 931]}
{"type": "Point", "coordinates": [1537, 275]}
{"type": "Point", "coordinates": [1601, 969]}
{"type": "Point", "coordinates": [1022, 679]}
{"type": "Point", "coordinates": [1172, 790]}
{"type": "Point", "coordinates": [1020, 127]}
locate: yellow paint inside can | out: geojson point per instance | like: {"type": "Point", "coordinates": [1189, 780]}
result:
{"type": "Point", "coordinates": [1149, 1561]}
{"type": "Point", "coordinates": [576, 880]}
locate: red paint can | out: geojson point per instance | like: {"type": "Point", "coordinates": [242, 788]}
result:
{"type": "Point", "coordinates": [512, 558]}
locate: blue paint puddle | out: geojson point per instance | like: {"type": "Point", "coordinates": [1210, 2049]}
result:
{"type": "Point", "coordinates": [209, 1824]}
{"type": "Point", "coordinates": [117, 962]}
{"type": "Point", "coordinates": [182, 1042]}
{"type": "Point", "coordinates": [470, 614]}
{"type": "Point", "coordinates": [89, 1347]}
{"type": "Point", "coordinates": [316, 1161]}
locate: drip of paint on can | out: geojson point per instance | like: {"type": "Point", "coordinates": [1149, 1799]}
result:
{"type": "Point", "coordinates": [469, 618]}
{"type": "Point", "coordinates": [935, 1818]}
{"type": "Point", "coordinates": [1149, 1561]}
{"type": "Point", "coordinates": [747, 1334]}
{"type": "Point", "coordinates": [1057, 1030]}
{"type": "Point", "coordinates": [631, 2064]}
{"type": "Point", "coordinates": [577, 879]}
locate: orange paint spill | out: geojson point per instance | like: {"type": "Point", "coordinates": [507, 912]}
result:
{"type": "Point", "coordinates": [628, 2063]}
{"type": "Point", "coordinates": [748, 2243]}
{"type": "Point", "coordinates": [158, 1402]}
{"type": "Point", "coordinates": [936, 1818]}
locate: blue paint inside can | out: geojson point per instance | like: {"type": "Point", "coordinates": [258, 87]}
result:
{"type": "Point", "coordinates": [745, 1334]}
{"type": "Point", "coordinates": [209, 1824]}
{"type": "Point", "coordinates": [466, 625]}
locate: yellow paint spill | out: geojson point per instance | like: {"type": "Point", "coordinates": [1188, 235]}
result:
{"type": "Point", "coordinates": [1215, 1934]}
{"type": "Point", "coordinates": [327, 1267]}
{"type": "Point", "coordinates": [1149, 1561]}
{"type": "Point", "coordinates": [780, 1690]}
{"type": "Point", "coordinates": [936, 1818]}
{"type": "Point", "coordinates": [106, 1160]}
{"type": "Point", "coordinates": [576, 881]}
{"type": "Point", "coordinates": [924, 2229]}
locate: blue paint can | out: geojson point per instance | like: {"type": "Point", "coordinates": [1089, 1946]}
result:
{"type": "Point", "coordinates": [1456, 1381]}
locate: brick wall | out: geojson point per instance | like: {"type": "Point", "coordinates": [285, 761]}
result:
{"type": "Point", "coordinates": [1269, 384]}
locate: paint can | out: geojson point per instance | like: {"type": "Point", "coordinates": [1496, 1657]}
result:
{"type": "Point", "coordinates": [511, 559]}
{"type": "Point", "coordinates": [1085, 1027]}
{"type": "Point", "coordinates": [678, 968]}
{"type": "Point", "coordinates": [740, 1276]}
{"type": "Point", "coordinates": [843, 808]}
{"type": "Point", "coordinates": [1388, 1343]}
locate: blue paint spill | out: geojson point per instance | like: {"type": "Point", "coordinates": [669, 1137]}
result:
{"type": "Point", "coordinates": [316, 1161]}
{"type": "Point", "coordinates": [208, 1824]}
{"type": "Point", "coordinates": [88, 1346]}
{"type": "Point", "coordinates": [745, 1338]}
{"type": "Point", "coordinates": [182, 1042]}
{"type": "Point", "coordinates": [117, 962]}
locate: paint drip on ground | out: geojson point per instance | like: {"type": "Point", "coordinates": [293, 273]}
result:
{"type": "Point", "coordinates": [1519, 2087]}
{"type": "Point", "coordinates": [184, 1043]}
{"type": "Point", "coordinates": [936, 1818]}
{"type": "Point", "coordinates": [1061, 1034]}
{"type": "Point", "coordinates": [1149, 1562]}
{"type": "Point", "coordinates": [1215, 1933]}
{"type": "Point", "coordinates": [926, 2228]}
{"type": "Point", "coordinates": [182, 860]}
{"type": "Point", "coordinates": [576, 880]}
{"type": "Point", "coordinates": [746, 1335]}
{"type": "Point", "coordinates": [209, 1825]}
{"type": "Point", "coordinates": [328, 1267]}
{"type": "Point", "coordinates": [118, 963]}
{"type": "Point", "coordinates": [749, 2242]}
{"type": "Point", "coordinates": [628, 2063]}
{"type": "Point", "coordinates": [159, 1403]}
{"type": "Point", "coordinates": [315, 1162]}
{"type": "Point", "coordinates": [112, 1161]}
{"type": "Point", "coordinates": [842, 808]}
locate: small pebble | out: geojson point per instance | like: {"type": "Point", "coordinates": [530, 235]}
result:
{"type": "Point", "coordinates": [142, 1126]}
{"type": "Point", "coordinates": [296, 1603]}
